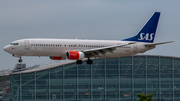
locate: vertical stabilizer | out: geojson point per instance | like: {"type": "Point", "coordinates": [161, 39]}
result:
{"type": "Point", "coordinates": [148, 31]}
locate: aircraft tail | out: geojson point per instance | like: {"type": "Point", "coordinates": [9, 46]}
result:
{"type": "Point", "coordinates": [148, 31]}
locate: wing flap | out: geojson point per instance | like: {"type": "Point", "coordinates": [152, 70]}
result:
{"type": "Point", "coordinates": [103, 50]}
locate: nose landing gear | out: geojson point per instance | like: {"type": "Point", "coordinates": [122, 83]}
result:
{"type": "Point", "coordinates": [20, 60]}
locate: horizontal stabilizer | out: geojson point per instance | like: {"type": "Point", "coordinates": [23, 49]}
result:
{"type": "Point", "coordinates": [154, 44]}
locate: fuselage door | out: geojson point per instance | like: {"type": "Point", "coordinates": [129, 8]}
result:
{"type": "Point", "coordinates": [79, 46]}
{"type": "Point", "coordinates": [134, 47]}
{"type": "Point", "coordinates": [75, 46]}
{"type": "Point", "coordinates": [27, 46]}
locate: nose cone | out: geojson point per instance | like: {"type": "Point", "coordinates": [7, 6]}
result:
{"type": "Point", "coordinates": [7, 49]}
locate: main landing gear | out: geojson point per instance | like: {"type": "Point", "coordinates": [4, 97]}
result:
{"type": "Point", "coordinates": [79, 62]}
{"type": "Point", "coordinates": [89, 61]}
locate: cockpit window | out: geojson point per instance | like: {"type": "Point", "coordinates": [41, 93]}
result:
{"type": "Point", "coordinates": [14, 44]}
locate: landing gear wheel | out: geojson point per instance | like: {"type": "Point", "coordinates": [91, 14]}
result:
{"type": "Point", "coordinates": [79, 62]}
{"type": "Point", "coordinates": [20, 60]}
{"type": "Point", "coordinates": [89, 61]}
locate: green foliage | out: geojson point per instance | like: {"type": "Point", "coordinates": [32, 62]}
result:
{"type": "Point", "coordinates": [143, 97]}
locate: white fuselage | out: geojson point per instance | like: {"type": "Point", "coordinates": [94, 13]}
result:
{"type": "Point", "coordinates": [59, 47]}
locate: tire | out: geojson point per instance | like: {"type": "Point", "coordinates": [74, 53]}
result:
{"type": "Point", "coordinates": [89, 62]}
{"type": "Point", "coordinates": [20, 60]}
{"type": "Point", "coordinates": [79, 62]}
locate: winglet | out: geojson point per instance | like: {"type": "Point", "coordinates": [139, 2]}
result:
{"type": "Point", "coordinates": [148, 31]}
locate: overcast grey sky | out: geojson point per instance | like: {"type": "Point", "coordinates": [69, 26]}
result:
{"type": "Point", "coordinates": [85, 19]}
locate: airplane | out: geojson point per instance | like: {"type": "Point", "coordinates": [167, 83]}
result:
{"type": "Point", "coordinates": [78, 49]}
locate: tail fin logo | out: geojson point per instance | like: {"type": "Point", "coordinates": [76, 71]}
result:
{"type": "Point", "coordinates": [147, 37]}
{"type": "Point", "coordinates": [148, 31]}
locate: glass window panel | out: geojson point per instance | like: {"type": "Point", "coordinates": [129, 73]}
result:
{"type": "Point", "coordinates": [112, 81]}
{"type": "Point", "coordinates": [71, 81]}
{"type": "Point", "coordinates": [71, 67]}
{"type": "Point", "coordinates": [166, 76]}
{"type": "Point", "coordinates": [166, 80]}
{"type": "Point", "coordinates": [139, 72]}
{"type": "Point", "coordinates": [85, 72]}
{"type": "Point", "coordinates": [139, 67]}
{"type": "Point", "coordinates": [177, 81]}
{"type": "Point", "coordinates": [177, 93]}
{"type": "Point", "coordinates": [153, 72]}
{"type": "Point", "coordinates": [139, 86]}
{"type": "Point", "coordinates": [70, 72]}
{"type": "Point", "coordinates": [126, 94]}
{"type": "Point", "coordinates": [111, 76]}
{"type": "Point", "coordinates": [153, 67]}
{"type": "Point", "coordinates": [98, 76]}
{"type": "Point", "coordinates": [177, 72]}
{"type": "Point", "coordinates": [176, 61]}
{"type": "Point", "coordinates": [84, 81]}
{"type": "Point", "coordinates": [111, 72]}
{"type": "Point", "coordinates": [101, 61]}
{"type": "Point", "coordinates": [125, 72]}
{"type": "Point", "coordinates": [126, 60]}
{"type": "Point", "coordinates": [153, 80]}
{"type": "Point", "coordinates": [126, 76]}
{"type": "Point", "coordinates": [84, 66]}
{"type": "Point", "coordinates": [163, 67]}
{"type": "Point", "coordinates": [98, 66]}
{"type": "Point", "coordinates": [84, 76]}
{"type": "Point", "coordinates": [112, 94]}
{"type": "Point", "coordinates": [139, 76]}
{"type": "Point", "coordinates": [57, 96]}
{"type": "Point", "coordinates": [176, 85]}
{"type": "Point", "coordinates": [112, 61]}
{"type": "Point", "coordinates": [84, 86]}
{"type": "Point", "coordinates": [98, 72]}
{"type": "Point", "coordinates": [166, 85]}
{"type": "Point", "coordinates": [126, 67]}
{"type": "Point", "coordinates": [140, 80]}
{"type": "Point", "coordinates": [152, 60]}
{"type": "Point", "coordinates": [152, 76]}
{"type": "Point", "coordinates": [71, 86]}
{"type": "Point", "coordinates": [85, 95]}
{"type": "Point", "coordinates": [153, 86]}
{"type": "Point", "coordinates": [139, 60]}
{"type": "Point", "coordinates": [177, 67]}
{"type": "Point", "coordinates": [165, 61]}
{"type": "Point", "coordinates": [112, 67]}
{"type": "Point", "coordinates": [70, 76]}
{"type": "Point", "coordinates": [166, 72]}
{"type": "Point", "coordinates": [176, 76]}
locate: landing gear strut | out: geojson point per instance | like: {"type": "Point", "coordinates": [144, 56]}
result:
{"type": "Point", "coordinates": [20, 60]}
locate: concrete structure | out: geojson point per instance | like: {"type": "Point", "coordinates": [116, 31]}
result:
{"type": "Point", "coordinates": [115, 79]}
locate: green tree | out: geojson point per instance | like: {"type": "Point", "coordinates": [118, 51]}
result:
{"type": "Point", "coordinates": [143, 97]}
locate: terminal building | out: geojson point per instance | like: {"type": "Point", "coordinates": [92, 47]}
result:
{"type": "Point", "coordinates": [108, 79]}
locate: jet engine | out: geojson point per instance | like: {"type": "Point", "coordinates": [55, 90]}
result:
{"type": "Point", "coordinates": [75, 55]}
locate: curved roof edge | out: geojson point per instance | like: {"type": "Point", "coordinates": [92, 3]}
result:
{"type": "Point", "coordinates": [55, 65]}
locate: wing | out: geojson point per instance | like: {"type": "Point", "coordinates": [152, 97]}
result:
{"type": "Point", "coordinates": [103, 50]}
{"type": "Point", "coordinates": [154, 44]}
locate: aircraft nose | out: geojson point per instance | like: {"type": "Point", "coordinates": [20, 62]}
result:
{"type": "Point", "coordinates": [6, 48]}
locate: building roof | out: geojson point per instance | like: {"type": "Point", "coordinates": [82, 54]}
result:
{"type": "Point", "coordinates": [50, 66]}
